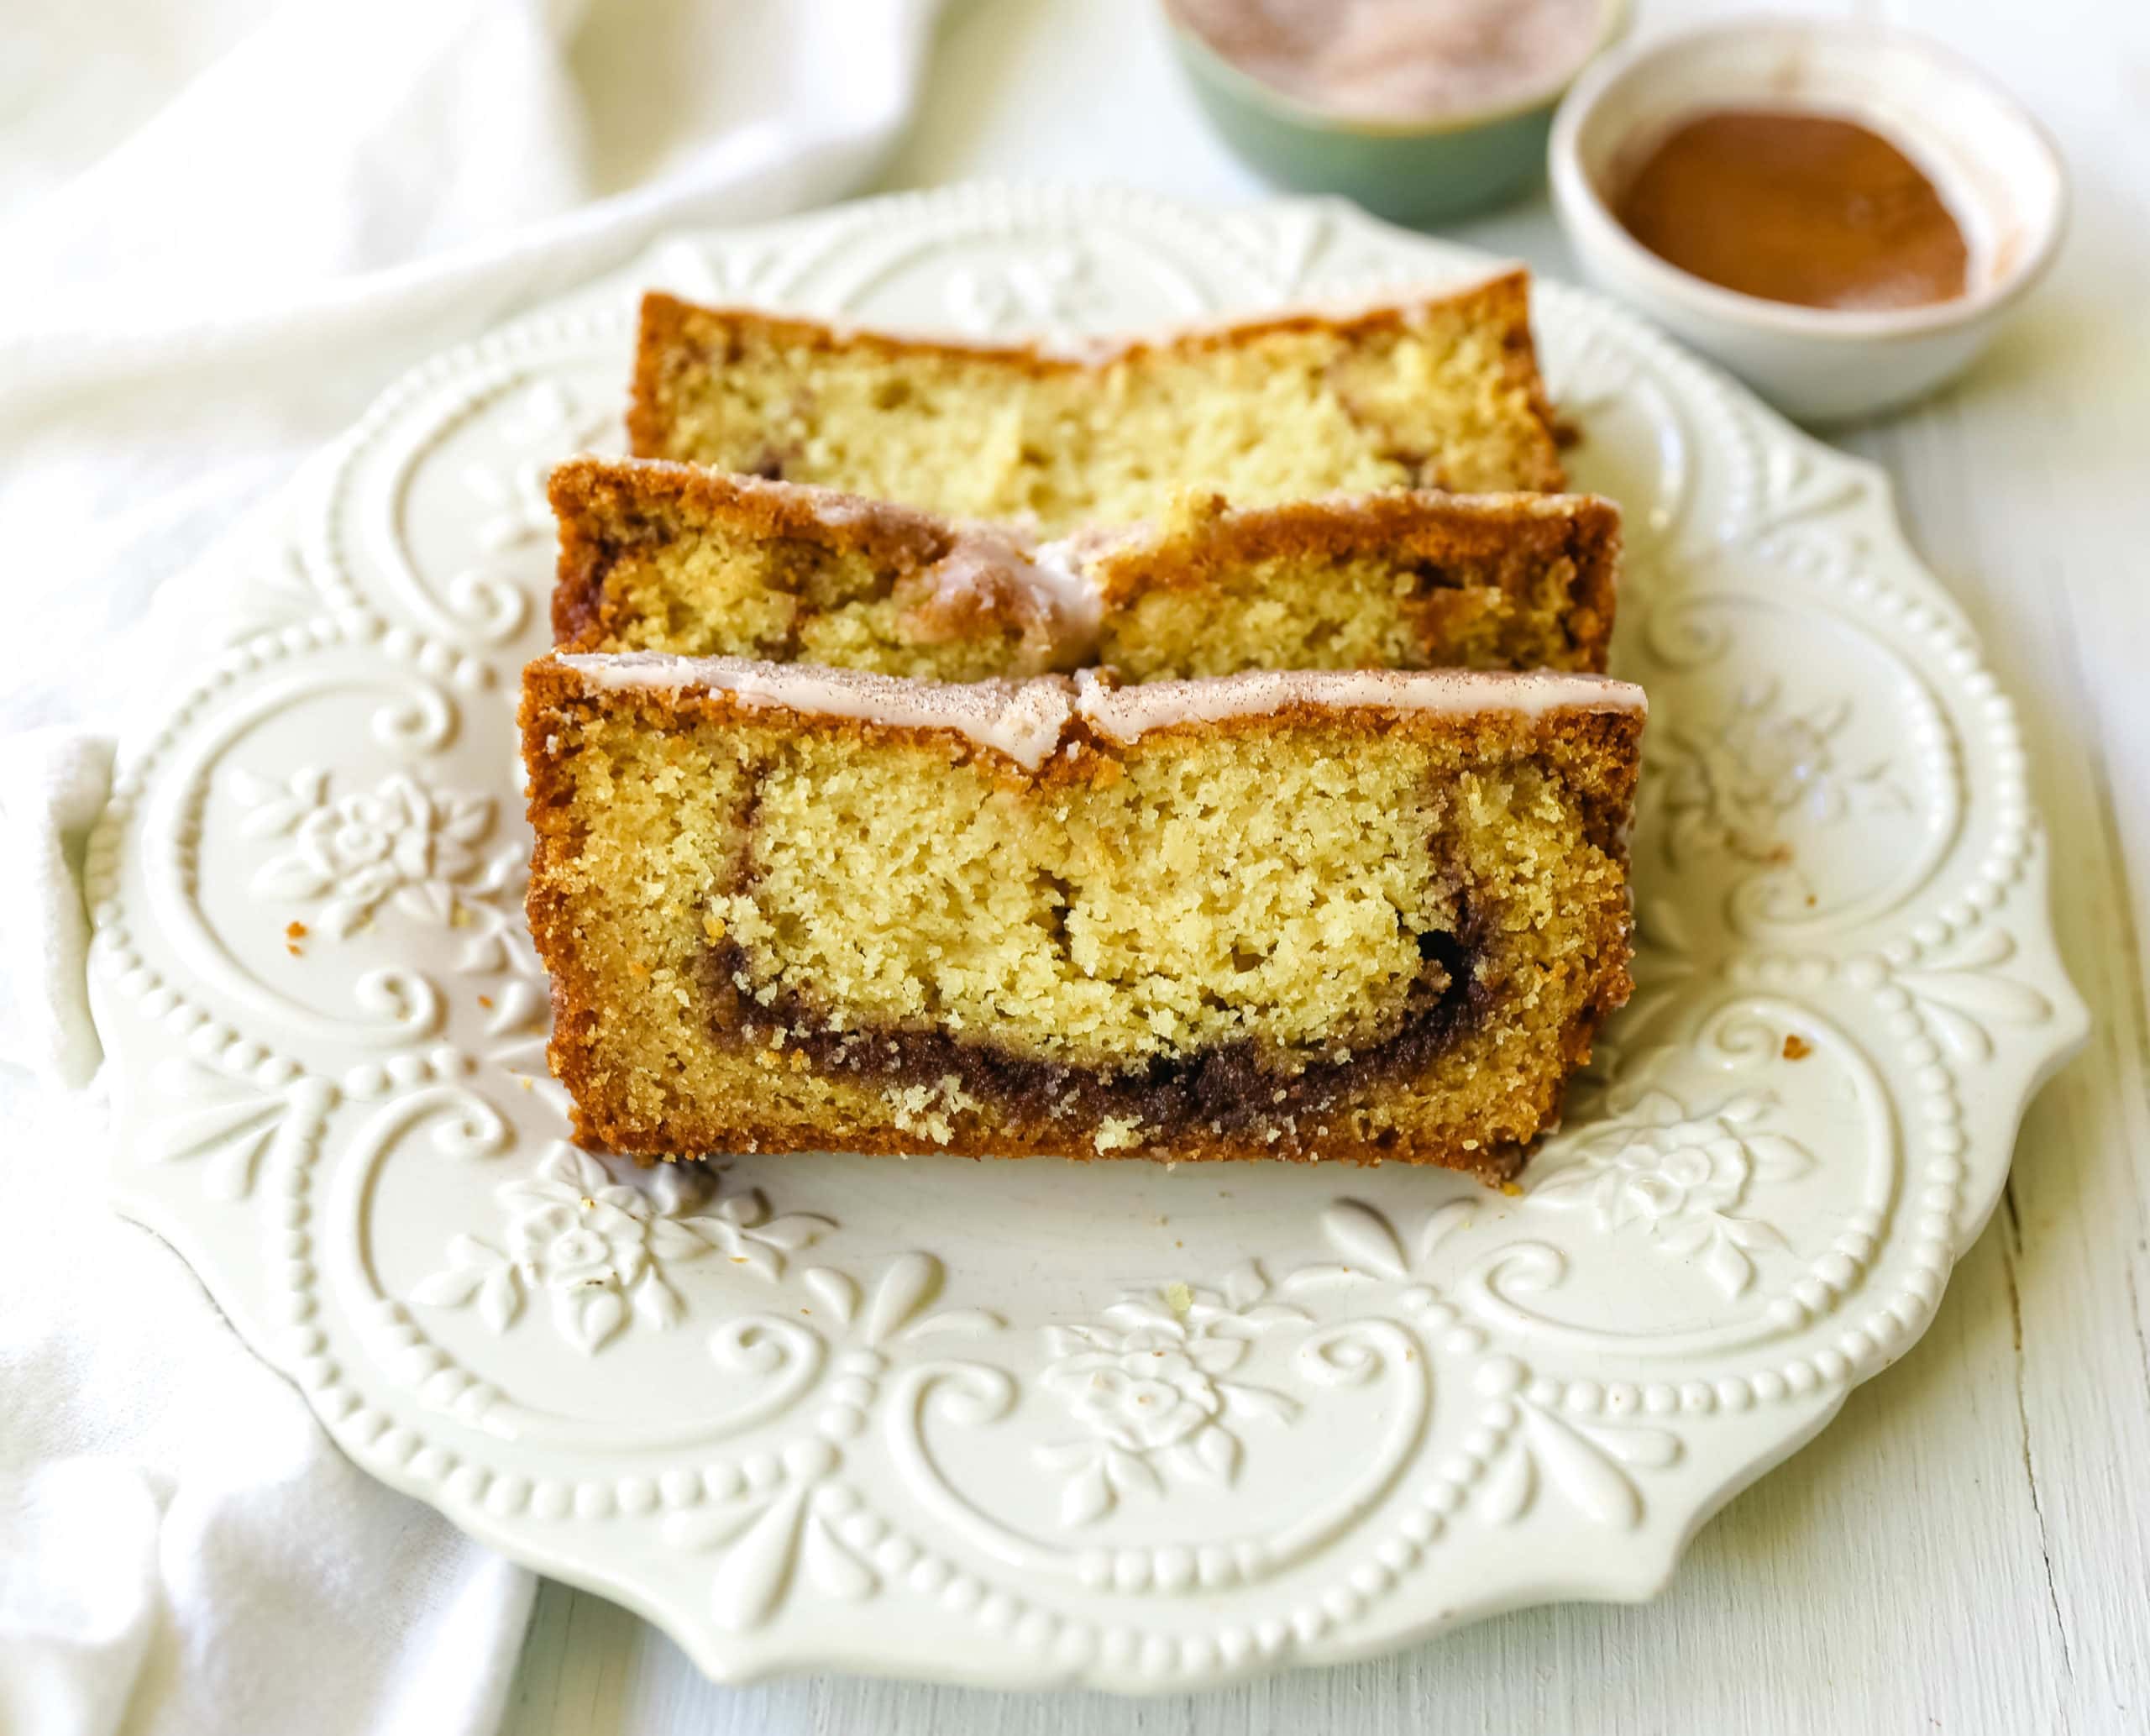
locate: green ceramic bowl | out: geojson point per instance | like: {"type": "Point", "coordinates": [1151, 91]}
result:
{"type": "Point", "coordinates": [1409, 171]}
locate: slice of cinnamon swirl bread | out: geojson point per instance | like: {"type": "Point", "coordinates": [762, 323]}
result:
{"type": "Point", "coordinates": [1362, 916]}
{"type": "Point", "coordinates": [657, 556]}
{"type": "Point", "coordinates": [1439, 392]}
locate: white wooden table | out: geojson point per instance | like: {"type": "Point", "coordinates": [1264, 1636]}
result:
{"type": "Point", "coordinates": [1967, 1549]}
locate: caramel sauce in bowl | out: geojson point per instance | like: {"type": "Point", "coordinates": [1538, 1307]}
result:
{"type": "Point", "coordinates": [1841, 213]}
{"type": "Point", "coordinates": [1795, 207]}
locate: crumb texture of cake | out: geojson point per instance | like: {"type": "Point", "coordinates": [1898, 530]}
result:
{"type": "Point", "coordinates": [1361, 916]}
{"type": "Point", "coordinates": [1386, 581]}
{"type": "Point", "coordinates": [1440, 391]}
{"type": "Point", "coordinates": [659, 556]}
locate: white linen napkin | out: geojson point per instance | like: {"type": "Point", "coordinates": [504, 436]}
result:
{"type": "Point", "coordinates": [228, 224]}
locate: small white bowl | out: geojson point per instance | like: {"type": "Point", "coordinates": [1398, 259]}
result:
{"type": "Point", "coordinates": [1993, 164]}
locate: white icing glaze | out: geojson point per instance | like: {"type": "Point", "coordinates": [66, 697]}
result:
{"type": "Point", "coordinates": [993, 566]}
{"type": "Point", "coordinates": [1126, 714]}
{"type": "Point", "coordinates": [1057, 569]}
{"type": "Point", "coordinates": [1026, 721]}
{"type": "Point", "coordinates": [1022, 719]}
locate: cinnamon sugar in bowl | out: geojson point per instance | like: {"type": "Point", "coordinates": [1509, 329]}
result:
{"type": "Point", "coordinates": [1418, 110]}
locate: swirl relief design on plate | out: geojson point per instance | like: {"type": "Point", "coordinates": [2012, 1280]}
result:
{"type": "Point", "coordinates": [1037, 1424]}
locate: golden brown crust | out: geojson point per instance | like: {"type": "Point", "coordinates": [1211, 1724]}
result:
{"type": "Point", "coordinates": [1599, 751]}
{"type": "Point", "coordinates": [670, 328]}
{"type": "Point", "coordinates": [670, 323]}
{"type": "Point", "coordinates": [1415, 523]}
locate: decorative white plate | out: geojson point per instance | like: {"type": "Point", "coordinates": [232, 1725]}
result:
{"type": "Point", "coordinates": [1035, 1423]}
